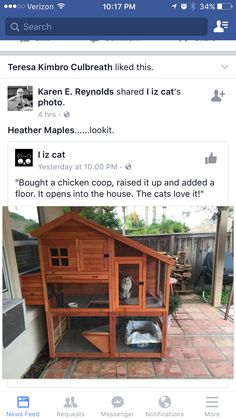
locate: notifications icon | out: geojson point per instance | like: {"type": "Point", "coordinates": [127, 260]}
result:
{"type": "Point", "coordinates": [117, 401]}
{"type": "Point", "coordinates": [164, 402]}
{"type": "Point", "coordinates": [15, 27]}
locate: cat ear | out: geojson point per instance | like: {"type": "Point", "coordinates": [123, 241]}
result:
{"type": "Point", "coordinates": [18, 156]}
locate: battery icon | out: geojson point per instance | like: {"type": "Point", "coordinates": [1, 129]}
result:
{"type": "Point", "coordinates": [225, 6]}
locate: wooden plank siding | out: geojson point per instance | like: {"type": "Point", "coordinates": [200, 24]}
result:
{"type": "Point", "coordinates": [197, 245]}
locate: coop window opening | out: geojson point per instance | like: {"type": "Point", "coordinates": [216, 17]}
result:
{"type": "Point", "coordinates": [59, 256]}
{"type": "Point", "coordinates": [78, 295]}
{"type": "Point", "coordinates": [81, 334]}
{"type": "Point", "coordinates": [154, 294]}
{"type": "Point", "coordinates": [129, 283]}
{"type": "Point", "coordinates": [138, 334]}
{"type": "Point", "coordinates": [163, 275]}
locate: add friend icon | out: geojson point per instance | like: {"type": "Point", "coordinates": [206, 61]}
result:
{"type": "Point", "coordinates": [218, 96]}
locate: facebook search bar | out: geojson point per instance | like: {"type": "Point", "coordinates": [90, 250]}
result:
{"type": "Point", "coordinates": [106, 27]}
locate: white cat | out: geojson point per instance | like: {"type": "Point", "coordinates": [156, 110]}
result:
{"type": "Point", "coordinates": [126, 286]}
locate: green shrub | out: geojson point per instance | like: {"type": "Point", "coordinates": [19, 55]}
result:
{"type": "Point", "coordinates": [175, 303]}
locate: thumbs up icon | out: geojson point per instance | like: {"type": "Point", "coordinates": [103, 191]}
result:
{"type": "Point", "coordinates": [211, 159]}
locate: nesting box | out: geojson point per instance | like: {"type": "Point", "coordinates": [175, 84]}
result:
{"type": "Point", "coordinates": [93, 281]}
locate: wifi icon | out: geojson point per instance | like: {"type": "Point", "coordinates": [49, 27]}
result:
{"type": "Point", "coordinates": [61, 5]}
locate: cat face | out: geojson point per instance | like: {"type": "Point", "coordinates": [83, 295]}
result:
{"type": "Point", "coordinates": [24, 160]}
{"type": "Point", "coordinates": [127, 281]}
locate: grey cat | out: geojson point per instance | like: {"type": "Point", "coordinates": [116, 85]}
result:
{"type": "Point", "coordinates": [126, 287]}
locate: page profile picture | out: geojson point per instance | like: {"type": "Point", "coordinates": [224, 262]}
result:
{"type": "Point", "coordinates": [20, 98]}
{"type": "Point", "coordinates": [23, 157]}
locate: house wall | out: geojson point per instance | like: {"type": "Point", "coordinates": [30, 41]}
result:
{"type": "Point", "coordinates": [21, 353]}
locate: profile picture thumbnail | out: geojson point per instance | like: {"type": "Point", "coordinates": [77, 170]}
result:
{"type": "Point", "coordinates": [20, 98]}
{"type": "Point", "coordinates": [23, 157]}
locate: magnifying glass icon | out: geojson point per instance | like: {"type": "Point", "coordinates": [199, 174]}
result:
{"type": "Point", "coordinates": [15, 27]}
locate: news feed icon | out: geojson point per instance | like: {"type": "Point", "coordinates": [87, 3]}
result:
{"type": "Point", "coordinates": [23, 157]}
{"type": "Point", "coordinates": [23, 402]}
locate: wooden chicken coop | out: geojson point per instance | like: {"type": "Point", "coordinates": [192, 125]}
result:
{"type": "Point", "coordinates": [84, 267]}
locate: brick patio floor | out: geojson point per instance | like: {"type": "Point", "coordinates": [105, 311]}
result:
{"type": "Point", "coordinates": [200, 345]}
